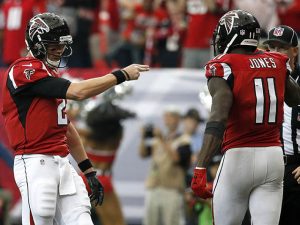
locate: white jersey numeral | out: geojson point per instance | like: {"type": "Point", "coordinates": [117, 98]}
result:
{"type": "Point", "coordinates": [61, 115]}
{"type": "Point", "coordinates": [196, 7]}
{"type": "Point", "coordinates": [14, 18]}
{"type": "Point", "coordinates": [260, 100]}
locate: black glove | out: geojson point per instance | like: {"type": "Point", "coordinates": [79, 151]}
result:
{"type": "Point", "coordinates": [96, 188]}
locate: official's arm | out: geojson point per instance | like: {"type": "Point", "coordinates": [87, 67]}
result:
{"type": "Point", "coordinates": [292, 92]}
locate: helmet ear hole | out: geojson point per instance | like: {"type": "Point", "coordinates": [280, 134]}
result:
{"type": "Point", "coordinates": [39, 51]}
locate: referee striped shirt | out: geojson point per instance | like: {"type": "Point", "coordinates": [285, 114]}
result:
{"type": "Point", "coordinates": [291, 128]}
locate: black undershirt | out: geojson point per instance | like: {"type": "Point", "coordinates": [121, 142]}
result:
{"type": "Point", "coordinates": [49, 87]}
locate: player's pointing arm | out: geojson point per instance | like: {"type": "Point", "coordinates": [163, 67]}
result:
{"type": "Point", "coordinates": [91, 87]}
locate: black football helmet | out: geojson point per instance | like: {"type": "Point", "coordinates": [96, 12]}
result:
{"type": "Point", "coordinates": [236, 28]}
{"type": "Point", "coordinates": [44, 29]}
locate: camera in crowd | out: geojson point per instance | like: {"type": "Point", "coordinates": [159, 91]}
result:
{"type": "Point", "coordinates": [149, 137]}
{"type": "Point", "coordinates": [149, 130]}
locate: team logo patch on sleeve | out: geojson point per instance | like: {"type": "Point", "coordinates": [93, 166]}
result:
{"type": "Point", "coordinates": [218, 70]}
{"type": "Point", "coordinates": [28, 73]}
{"type": "Point", "coordinates": [212, 70]}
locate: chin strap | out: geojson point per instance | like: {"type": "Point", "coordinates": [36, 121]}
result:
{"type": "Point", "coordinates": [53, 64]}
{"type": "Point", "coordinates": [57, 64]}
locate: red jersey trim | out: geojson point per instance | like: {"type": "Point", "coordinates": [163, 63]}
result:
{"type": "Point", "coordinates": [271, 144]}
{"type": "Point", "coordinates": [101, 156]}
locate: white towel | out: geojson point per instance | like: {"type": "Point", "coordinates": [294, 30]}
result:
{"type": "Point", "coordinates": [66, 180]}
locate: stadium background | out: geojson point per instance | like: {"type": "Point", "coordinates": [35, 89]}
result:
{"type": "Point", "coordinates": [110, 34]}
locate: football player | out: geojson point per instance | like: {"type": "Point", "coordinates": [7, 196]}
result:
{"type": "Point", "coordinates": [248, 89]}
{"type": "Point", "coordinates": [34, 103]}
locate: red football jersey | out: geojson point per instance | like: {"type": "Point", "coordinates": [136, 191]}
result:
{"type": "Point", "coordinates": [258, 86]}
{"type": "Point", "coordinates": [34, 125]}
{"type": "Point", "coordinates": [201, 23]}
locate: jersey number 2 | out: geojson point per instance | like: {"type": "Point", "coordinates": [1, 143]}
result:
{"type": "Point", "coordinates": [260, 100]}
{"type": "Point", "coordinates": [61, 114]}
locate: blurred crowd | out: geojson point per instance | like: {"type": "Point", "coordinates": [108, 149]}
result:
{"type": "Point", "coordinates": [116, 33]}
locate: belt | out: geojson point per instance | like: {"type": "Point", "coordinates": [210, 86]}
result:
{"type": "Point", "coordinates": [291, 159]}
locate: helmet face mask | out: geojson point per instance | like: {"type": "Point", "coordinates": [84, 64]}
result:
{"type": "Point", "coordinates": [237, 28]}
{"type": "Point", "coordinates": [218, 44]}
{"type": "Point", "coordinates": [56, 54]}
{"type": "Point", "coordinates": [44, 30]}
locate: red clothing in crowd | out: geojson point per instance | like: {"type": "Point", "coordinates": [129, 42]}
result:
{"type": "Point", "coordinates": [291, 16]}
{"type": "Point", "coordinates": [17, 14]}
{"type": "Point", "coordinates": [7, 181]}
{"type": "Point", "coordinates": [201, 23]}
{"type": "Point", "coordinates": [140, 21]}
{"type": "Point", "coordinates": [143, 20]}
{"type": "Point", "coordinates": [3, 136]}
{"type": "Point", "coordinates": [114, 18]}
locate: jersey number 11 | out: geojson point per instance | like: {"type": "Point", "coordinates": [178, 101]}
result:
{"type": "Point", "coordinates": [260, 100]}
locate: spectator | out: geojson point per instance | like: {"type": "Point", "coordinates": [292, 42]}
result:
{"type": "Point", "coordinates": [144, 38]}
{"type": "Point", "coordinates": [200, 212]}
{"type": "Point", "coordinates": [165, 184]}
{"type": "Point", "coordinates": [3, 134]}
{"type": "Point", "coordinates": [131, 48]}
{"type": "Point", "coordinates": [16, 15]}
{"type": "Point", "coordinates": [5, 198]}
{"type": "Point", "coordinates": [86, 16]}
{"type": "Point", "coordinates": [109, 25]}
{"type": "Point", "coordinates": [264, 10]}
{"type": "Point", "coordinates": [1, 33]}
{"type": "Point", "coordinates": [289, 14]}
{"type": "Point", "coordinates": [9, 193]}
{"type": "Point", "coordinates": [202, 17]}
{"type": "Point", "coordinates": [166, 35]}
{"type": "Point", "coordinates": [191, 122]}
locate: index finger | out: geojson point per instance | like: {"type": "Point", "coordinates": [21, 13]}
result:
{"type": "Point", "coordinates": [142, 66]}
{"type": "Point", "coordinates": [297, 174]}
{"type": "Point", "coordinates": [295, 170]}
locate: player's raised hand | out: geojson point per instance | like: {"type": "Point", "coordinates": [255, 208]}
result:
{"type": "Point", "coordinates": [96, 188]}
{"type": "Point", "coordinates": [199, 183]}
{"type": "Point", "coordinates": [133, 71]}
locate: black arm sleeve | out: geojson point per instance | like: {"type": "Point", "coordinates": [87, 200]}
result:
{"type": "Point", "coordinates": [49, 87]}
{"type": "Point", "coordinates": [185, 154]}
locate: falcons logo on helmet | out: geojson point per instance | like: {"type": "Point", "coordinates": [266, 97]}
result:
{"type": "Point", "coordinates": [228, 20]}
{"type": "Point", "coordinates": [37, 26]}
